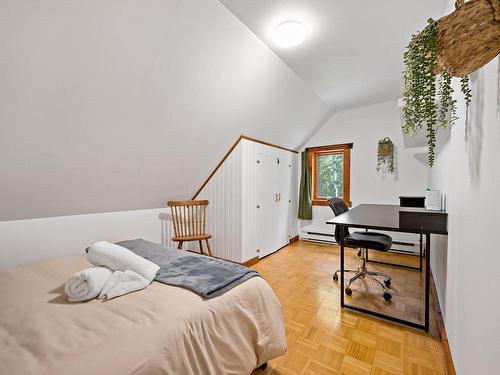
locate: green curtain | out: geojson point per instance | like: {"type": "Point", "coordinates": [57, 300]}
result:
{"type": "Point", "coordinates": [305, 200]}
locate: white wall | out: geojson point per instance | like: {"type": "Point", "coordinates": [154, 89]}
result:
{"type": "Point", "coordinates": [364, 127]}
{"type": "Point", "coordinates": [27, 241]}
{"type": "Point", "coordinates": [115, 105]}
{"type": "Point", "coordinates": [112, 105]}
{"type": "Point", "coordinates": [230, 218]}
{"type": "Point", "coordinates": [467, 170]}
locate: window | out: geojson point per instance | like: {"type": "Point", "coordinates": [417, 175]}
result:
{"type": "Point", "coordinates": [330, 167]}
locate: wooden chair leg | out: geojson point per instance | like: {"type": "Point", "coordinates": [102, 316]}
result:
{"type": "Point", "coordinates": [208, 248]}
{"type": "Point", "coordinates": [201, 246]}
{"type": "Point", "coordinates": [180, 245]}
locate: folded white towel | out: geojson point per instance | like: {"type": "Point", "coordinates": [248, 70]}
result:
{"type": "Point", "coordinates": [119, 258]}
{"type": "Point", "coordinates": [87, 284]}
{"type": "Point", "coordinates": [121, 283]}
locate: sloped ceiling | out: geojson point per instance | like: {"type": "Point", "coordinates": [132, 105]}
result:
{"type": "Point", "coordinates": [353, 53]}
{"type": "Point", "coordinates": [122, 104]}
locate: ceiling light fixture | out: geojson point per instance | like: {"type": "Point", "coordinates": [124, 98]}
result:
{"type": "Point", "coordinates": [289, 34]}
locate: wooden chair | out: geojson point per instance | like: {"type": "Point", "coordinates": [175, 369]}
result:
{"type": "Point", "coordinates": [189, 218]}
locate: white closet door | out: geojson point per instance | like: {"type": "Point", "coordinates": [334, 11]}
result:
{"type": "Point", "coordinates": [267, 202]}
{"type": "Point", "coordinates": [284, 180]}
{"type": "Point", "coordinates": [273, 196]}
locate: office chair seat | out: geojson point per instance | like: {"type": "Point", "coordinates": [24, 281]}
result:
{"type": "Point", "coordinates": [369, 240]}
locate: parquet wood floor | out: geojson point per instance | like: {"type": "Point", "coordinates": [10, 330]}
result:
{"type": "Point", "coordinates": [324, 339]}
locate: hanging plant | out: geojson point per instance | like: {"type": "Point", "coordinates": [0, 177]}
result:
{"type": "Point", "coordinates": [385, 155]}
{"type": "Point", "coordinates": [455, 45]}
{"type": "Point", "coordinates": [423, 104]}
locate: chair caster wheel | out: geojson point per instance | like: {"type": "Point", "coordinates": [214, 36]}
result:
{"type": "Point", "coordinates": [387, 282]}
{"type": "Point", "coordinates": [348, 291]}
{"type": "Point", "coordinates": [335, 277]}
{"type": "Point", "coordinates": [387, 296]}
{"type": "Point", "coordinates": [359, 253]}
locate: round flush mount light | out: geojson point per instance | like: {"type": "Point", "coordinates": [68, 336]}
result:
{"type": "Point", "coordinates": [289, 34]}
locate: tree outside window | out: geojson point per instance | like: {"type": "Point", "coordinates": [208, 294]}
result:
{"type": "Point", "coordinates": [330, 175]}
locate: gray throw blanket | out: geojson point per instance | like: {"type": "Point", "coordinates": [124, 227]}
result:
{"type": "Point", "coordinates": [207, 277]}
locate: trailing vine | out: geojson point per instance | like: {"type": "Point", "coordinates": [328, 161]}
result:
{"type": "Point", "coordinates": [420, 85]}
{"type": "Point", "coordinates": [464, 83]}
{"type": "Point", "coordinates": [447, 111]}
{"type": "Point", "coordinates": [420, 94]}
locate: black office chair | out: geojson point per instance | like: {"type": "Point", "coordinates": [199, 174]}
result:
{"type": "Point", "coordinates": [362, 241]}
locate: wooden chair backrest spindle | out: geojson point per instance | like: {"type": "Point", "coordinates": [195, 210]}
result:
{"type": "Point", "coordinates": [188, 217]}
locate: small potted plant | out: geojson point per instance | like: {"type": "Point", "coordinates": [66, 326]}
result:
{"type": "Point", "coordinates": [385, 155]}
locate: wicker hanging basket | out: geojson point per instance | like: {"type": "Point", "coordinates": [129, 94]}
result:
{"type": "Point", "coordinates": [385, 147]}
{"type": "Point", "coordinates": [469, 37]}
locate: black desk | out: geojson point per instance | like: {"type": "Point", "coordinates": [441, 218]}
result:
{"type": "Point", "coordinates": [386, 217]}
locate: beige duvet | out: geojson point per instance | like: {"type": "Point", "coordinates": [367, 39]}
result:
{"type": "Point", "coordinates": [159, 330]}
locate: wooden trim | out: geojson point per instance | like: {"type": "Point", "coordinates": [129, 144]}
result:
{"type": "Point", "coordinates": [330, 147]}
{"type": "Point", "coordinates": [206, 255]}
{"type": "Point", "coordinates": [267, 143]}
{"type": "Point", "coordinates": [294, 239]}
{"type": "Point", "coordinates": [450, 367]}
{"type": "Point", "coordinates": [324, 202]}
{"type": "Point", "coordinates": [229, 152]}
{"type": "Point", "coordinates": [344, 148]}
{"type": "Point", "coordinates": [217, 167]}
{"type": "Point", "coordinates": [250, 262]}
{"type": "Point", "coordinates": [347, 176]}
{"type": "Point", "coordinates": [319, 202]}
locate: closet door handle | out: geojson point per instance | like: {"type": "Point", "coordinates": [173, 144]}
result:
{"type": "Point", "coordinates": [279, 196]}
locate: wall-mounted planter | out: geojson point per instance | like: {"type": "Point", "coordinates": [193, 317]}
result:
{"type": "Point", "coordinates": [385, 155]}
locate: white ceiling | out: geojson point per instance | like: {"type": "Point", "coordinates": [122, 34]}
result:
{"type": "Point", "coordinates": [353, 53]}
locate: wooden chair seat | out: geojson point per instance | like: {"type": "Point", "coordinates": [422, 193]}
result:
{"type": "Point", "coordinates": [189, 222]}
{"type": "Point", "coordinates": [198, 237]}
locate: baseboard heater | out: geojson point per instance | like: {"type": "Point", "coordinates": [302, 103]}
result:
{"type": "Point", "coordinates": [315, 236]}
{"type": "Point", "coordinates": [403, 247]}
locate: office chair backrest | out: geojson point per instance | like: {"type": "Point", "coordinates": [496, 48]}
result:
{"type": "Point", "coordinates": [338, 207]}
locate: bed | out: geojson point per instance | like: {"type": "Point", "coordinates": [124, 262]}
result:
{"type": "Point", "coordinates": [159, 330]}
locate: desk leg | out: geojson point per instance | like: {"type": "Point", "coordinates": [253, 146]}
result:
{"type": "Point", "coordinates": [421, 249]}
{"type": "Point", "coordinates": [341, 275]}
{"type": "Point", "coordinates": [427, 278]}
{"type": "Point", "coordinates": [341, 266]}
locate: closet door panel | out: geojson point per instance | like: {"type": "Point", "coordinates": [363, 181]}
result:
{"type": "Point", "coordinates": [284, 177]}
{"type": "Point", "coordinates": [267, 202]}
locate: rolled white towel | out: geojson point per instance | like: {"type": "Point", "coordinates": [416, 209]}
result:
{"type": "Point", "coordinates": [87, 284]}
{"type": "Point", "coordinates": [119, 258]}
{"type": "Point", "coordinates": [121, 283]}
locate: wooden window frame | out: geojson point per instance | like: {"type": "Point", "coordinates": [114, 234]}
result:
{"type": "Point", "coordinates": [313, 153]}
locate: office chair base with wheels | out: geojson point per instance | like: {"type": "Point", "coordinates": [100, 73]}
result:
{"type": "Point", "coordinates": [361, 273]}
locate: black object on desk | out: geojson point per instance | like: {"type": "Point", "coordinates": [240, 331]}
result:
{"type": "Point", "coordinates": [387, 217]}
{"type": "Point", "coordinates": [412, 201]}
